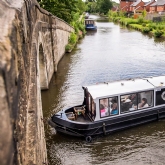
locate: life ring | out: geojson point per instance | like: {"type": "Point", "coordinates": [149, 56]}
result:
{"type": "Point", "coordinates": [88, 139]}
{"type": "Point", "coordinates": [163, 95]}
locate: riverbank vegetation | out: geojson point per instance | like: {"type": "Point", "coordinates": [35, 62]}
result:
{"type": "Point", "coordinates": [98, 6]}
{"type": "Point", "coordinates": [137, 22]}
{"type": "Point", "coordinates": [70, 11]}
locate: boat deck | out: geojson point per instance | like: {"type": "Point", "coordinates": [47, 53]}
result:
{"type": "Point", "coordinates": [79, 118]}
{"type": "Point", "coordinates": [83, 120]}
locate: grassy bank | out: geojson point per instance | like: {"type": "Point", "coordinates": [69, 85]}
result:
{"type": "Point", "coordinates": [78, 24]}
{"type": "Point", "coordinates": [157, 29]}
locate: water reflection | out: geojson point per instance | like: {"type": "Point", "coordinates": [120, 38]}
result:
{"type": "Point", "coordinates": [143, 145]}
{"type": "Point", "coordinates": [111, 53]}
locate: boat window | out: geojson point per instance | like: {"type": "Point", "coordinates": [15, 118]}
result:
{"type": "Point", "coordinates": [109, 106]}
{"type": "Point", "coordinates": [104, 107]}
{"type": "Point", "coordinates": [145, 99]}
{"type": "Point", "coordinates": [128, 102]}
{"type": "Point", "coordinates": [160, 97]}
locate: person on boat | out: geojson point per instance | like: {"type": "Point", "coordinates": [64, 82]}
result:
{"type": "Point", "coordinates": [133, 102]}
{"type": "Point", "coordinates": [133, 99]}
{"type": "Point", "coordinates": [103, 110]}
{"type": "Point", "coordinates": [125, 105]}
{"type": "Point", "coordinates": [143, 103]}
{"type": "Point", "coordinates": [114, 107]}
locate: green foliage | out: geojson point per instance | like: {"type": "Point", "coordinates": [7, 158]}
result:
{"type": "Point", "coordinates": [160, 27]}
{"type": "Point", "coordinates": [112, 14]}
{"type": "Point", "coordinates": [64, 9]}
{"type": "Point", "coordinates": [144, 24]}
{"type": "Point", "coordinates": [158, 33]}
{"type": "Point", "coordinates": [68, 47]}
{"type": "Point", "coordinates": [136, 26]}
{"type": "Point", "coordinates": [104, 6]}
{"type": "Point", "coordinates": [73, 38]}
{"type": "Point", "coordinates": [140, 20]}
{"type": "Point", "coordinates": [121, 14]}
{"type": "Point", "coordinates": [72, 41]}
{"type": "Point", "coordinates": [81, 6]}
{"type": "Point", "coordinates": [116, 19]}
{"type": "Point", "coordinates": [128, 21]}
{"type": "Point", "coordinates": [78, 24]}
{"type": "Point", "coordinates": [91, 7]}
{"type": "Point", "coordinates": [144, 13]}
{"type": "Point", "coordinates": [146, 30]}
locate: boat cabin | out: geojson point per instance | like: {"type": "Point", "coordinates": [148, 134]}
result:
{"type": "Point", "coordinates": [114, 99]}
{"type": "Point", "coordinates": [90, 24]}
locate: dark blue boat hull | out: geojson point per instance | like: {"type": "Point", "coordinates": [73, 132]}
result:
{"type": "Point", "coordinates": [91, 28]}
{"type": "Point", "coordinates": [108, 125]}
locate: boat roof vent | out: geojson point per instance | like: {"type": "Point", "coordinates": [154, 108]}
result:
{"type": "Point", "coordinates": [106, 83]}
{"type": "Point", "coordinates": [161, 83]}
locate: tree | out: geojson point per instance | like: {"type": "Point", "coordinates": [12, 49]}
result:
{"type": "Point", "coordinates": [104, 6]}
{"type": "Point", "coordinates": [64, 9]}
{"type": "Point", "coordinates": [92, 7]}
{"type": "Point", "coordinates": [81, 6]}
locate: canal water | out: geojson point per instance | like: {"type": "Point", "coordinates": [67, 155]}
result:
{"type": "Point", "coordinates": [111, 53]}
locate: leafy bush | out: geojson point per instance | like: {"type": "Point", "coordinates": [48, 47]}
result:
{"type": "Point", "coordinates": [121, 14]}
{"type": "Point", "coordinates": [144, 13]}
{"type": "Point", "coordinates": [128, 21]}
{"type": "Point", "coordinates": [158, 33]}
{"type": "Point", "coordinates": [73, 38]}
{"type": "Point", "coordinates": [150, 27]}
{"type": "Point", "coordinates": [136, 26]}
{"type": "Point", "coordinates": [160, 27]}
{"type": "Point", "coordinates": [140, 20]}
{"type": "Point", "coordinates": [116, 19]}
{"type": "Point", "coordinates": [68, 47]}
{"type": "Point", "coordinates": [146, 30]}
{"type": "Point", "coordinates": [143, 24]}
{"type": "Point", "coordinates": [112, 14]}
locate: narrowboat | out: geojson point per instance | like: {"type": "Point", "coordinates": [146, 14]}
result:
{"type": "Point", "coordinates": [113, 106]}
{"type": "Point", "coordinates": [90, 24]}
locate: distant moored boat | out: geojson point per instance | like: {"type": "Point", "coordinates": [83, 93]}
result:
{"type": "Point", "coordinates": [90, 24]}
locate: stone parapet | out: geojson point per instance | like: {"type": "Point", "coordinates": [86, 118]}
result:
{"type": "Point", "coordinates": [32, 42]}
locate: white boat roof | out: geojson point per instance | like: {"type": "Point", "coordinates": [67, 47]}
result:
{"type": "Point", "coordinates": [125, 86]}
{"type": "Point", "coordinates": [89, 19]}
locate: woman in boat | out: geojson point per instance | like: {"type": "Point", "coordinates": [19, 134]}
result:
{"type": "Point", "coordinates": [143, 103]}
{"type": "Point", "coordinates": [114, 107]}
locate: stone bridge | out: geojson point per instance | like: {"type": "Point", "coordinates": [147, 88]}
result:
{"type": "Point", "coordinates": [32, 42]}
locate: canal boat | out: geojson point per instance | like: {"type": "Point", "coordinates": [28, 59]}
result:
{"type": "Point", "coordinates": [112, 106]}
{"type": "Point", "coordinates": [90, 24]}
